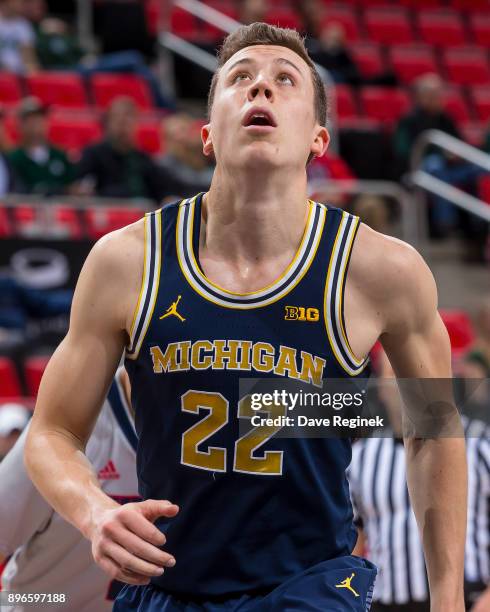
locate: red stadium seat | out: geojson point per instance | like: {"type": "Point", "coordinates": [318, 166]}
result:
{"type": "Point", "coordinates": [148, 136]}
{"type": "Point", "coordinates": [346, 17]}
{"type": "Point", "coordinates": [460, 329]}
{"type": "Point", "coordinates": [471, 5]}
{"type": "Point", "coordinates": [9, 381]}
{"type": "Point", "coordinates": [384, 103]}
{"type": "Point", "coordinates": [58, 88]}
{"type": "Point", "coordinates": [368, 58]}
{"type": "Point", "coordinates": [211, 32]}
{"type": "Point", "coordinates": [411, 61]}
{"type": "Point", "coordinates": [285, 18]}
{"type": "Point", "coordinates": [481, 101]}
{"type": "Point", "coordinates": [388, 26]}
{"type": "Point", "coordinates": [5, 225]}
{"type": "Point", "coordinates": [106, 87]}
{"type": "Point", "coordinates": [420, 4]}
{"type": "Point", "coordinates": [73, 132]}
{"type": "Point", "coordinates": [25, 220]}
{"type": "Point", "coordinates": [101, 221]}
{"type": "Point", "coordinates": [441, 27]}
{"type": "Point", "coordinates": [480, 29]}
{"type": "Point", "coordinates": [484, 188]}
{"type": "Point", "coordinates": [183, 24]}
{"type": "Point", "coordinates": [10, 89]}
{"type": "Point", "coordinates": [346, 103]}
{"type": "Point", "coordinates": [65, 222]}
{"type": "Point", "coordinates": [467, 65]}
{"type": "Point", "coordinates": [456, 105]}
{"type": "Point", "coordinates": [152, 13]}
{"type": "Point", "coordinates": [33, 369]}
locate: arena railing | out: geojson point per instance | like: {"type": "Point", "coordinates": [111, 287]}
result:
{"type": "Point", "coordinates": [404, 227]}
{"type": "Point", "coordinates": [205, 60]}
{"type": "Point", "coordinates": [425, 182]}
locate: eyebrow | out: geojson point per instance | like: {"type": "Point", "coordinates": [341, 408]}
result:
{"type": "Point", "coordinates": [279, 60]}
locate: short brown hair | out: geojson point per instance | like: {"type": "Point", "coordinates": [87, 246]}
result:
{"type": "Point", "coordinates": [265, 34]}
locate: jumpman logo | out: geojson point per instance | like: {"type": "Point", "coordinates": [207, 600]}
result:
{"type": "Point", "coordinates": [345, 584]}
{"type": "Point", "coordinates": [172, 310]}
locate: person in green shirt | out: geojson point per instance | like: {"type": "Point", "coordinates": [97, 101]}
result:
{"type": "Point", "coordinates": [38, 167]}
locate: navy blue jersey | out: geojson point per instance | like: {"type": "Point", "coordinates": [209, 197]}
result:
{"type": "Point", "coordinates": [253, 511]}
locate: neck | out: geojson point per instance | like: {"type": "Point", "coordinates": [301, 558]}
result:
{"type": "Point", "coordinates": [250, 218]}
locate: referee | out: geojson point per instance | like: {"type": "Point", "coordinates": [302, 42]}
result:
{"type": "Point", "coordinates": [387, 523]}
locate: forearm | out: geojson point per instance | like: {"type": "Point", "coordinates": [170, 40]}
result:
{"type": "Point", "coordinates": [437, 480]}
{"type": "Point", "coordinates": [62, 473]}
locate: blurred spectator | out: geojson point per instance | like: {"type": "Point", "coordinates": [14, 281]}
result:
{"type": "Point", "coordinates": [58, 49]}
{"type": "Point", "coordinates": [56, 45]}
{"type": "Point", "coordinates": [13, 419]}
{"type": "Point", "coordinates": [251, 11]}
{"type": "Point", "coordinates": [184, 161]}
{"type": "Point", "coordinates": [38, 167]}
{"type": "Point", "coordinates": [6, 179]}
{"type": "Point", "coordinates": [115, 168]}
{"type": "Point", "coordinates": [331, 52]}
{"type": "Point", "coordinates": [311, 13]}
{"type": "Point", "coordinates": [428, 114]}
{"type": "Point", "coordinates": [373, 210]}
{"type": "Point", "coordinates": [16, 39]}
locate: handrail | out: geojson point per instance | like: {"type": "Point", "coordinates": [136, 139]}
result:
{"type": "Point", "coordinates": [229, 25]}
{"type": "Point", "coordinates": [408, 222]}
{"type": "Point", "coordinates": [430, 183]}
{"type": "Point", "coordinates": [188, 50]}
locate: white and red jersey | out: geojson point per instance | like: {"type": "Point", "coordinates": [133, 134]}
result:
{"type": "Point", "coordinates": [48, 554]}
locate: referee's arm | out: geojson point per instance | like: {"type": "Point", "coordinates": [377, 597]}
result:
{"type": "Point", "coordinates": [417, 345]}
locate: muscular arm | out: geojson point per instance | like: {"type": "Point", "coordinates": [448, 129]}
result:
{"type": "Point", "coordinates": [70, 398]}
{"type": "Point", "coordinates": [403, 301]}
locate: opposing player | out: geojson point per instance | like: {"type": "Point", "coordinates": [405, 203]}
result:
{"type": "Point", "coordinates": [249, 523]}
{"type": "Point", "coordinates": [47, 554]}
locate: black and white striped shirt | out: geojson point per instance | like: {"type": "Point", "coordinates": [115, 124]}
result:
{"type": "Point", "coordinates": [379, 494]}
{"type": "Point", "coordinates": [477, 553]}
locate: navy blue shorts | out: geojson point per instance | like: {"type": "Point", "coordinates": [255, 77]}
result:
{"type": "Point", "coordinates": [338, 585]}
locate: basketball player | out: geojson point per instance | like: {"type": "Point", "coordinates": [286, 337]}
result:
{"type": "Point", "coordinates": [232, 522]}
{"type": "Point", "coordinates": [48, 554]}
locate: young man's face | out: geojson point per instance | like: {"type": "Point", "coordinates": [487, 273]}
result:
{"type": "Point", "coordinates": [276, 82]}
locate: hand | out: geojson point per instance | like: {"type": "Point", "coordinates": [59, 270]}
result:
{"type": "Point", "coordinates": [125, 542]}
{"type": "Point", "coordinates": [482, 604]}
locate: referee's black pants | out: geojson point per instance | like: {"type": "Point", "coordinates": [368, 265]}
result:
{"type": "Point", "coordinates": [414, 606]}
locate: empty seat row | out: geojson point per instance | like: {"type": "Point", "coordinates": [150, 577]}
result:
{"type": "Point", "coordinates": [64, 221]}
{"type": "Point", "coordinates": [442, 26]}
{"type": "Point", "coordinates": [389, 104]}
{"type": "Point", "coordinates": [67, 89]}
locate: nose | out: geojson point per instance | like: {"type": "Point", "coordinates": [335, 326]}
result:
{"type": "Point", "coordinates": [261, 87]}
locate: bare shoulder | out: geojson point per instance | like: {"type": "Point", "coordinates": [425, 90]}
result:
{"type": "Point", "coordinates": [112, 272]}
{"type": "Point", "coordinates": [391, 275]}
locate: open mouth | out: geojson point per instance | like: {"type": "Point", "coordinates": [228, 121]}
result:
{"type": "Point", "coordinates": [259, 118]}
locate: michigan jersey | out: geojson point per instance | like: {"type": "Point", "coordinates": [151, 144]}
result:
{"type": "Point", "coordinates": [254, 510]}
{"type": "Point", "coordinates": [48, 554]}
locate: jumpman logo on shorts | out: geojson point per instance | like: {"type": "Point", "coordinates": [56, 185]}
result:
{"type": "Point", "coordinates": [172, 310]}
{"type": "Point", "coordinates": [345, 584]}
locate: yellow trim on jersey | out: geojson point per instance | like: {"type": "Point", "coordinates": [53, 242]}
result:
{"type": "Point", "coordinates": [271, 285]}
{"type": "Point", "coordinates": [340, 293]}
{"type": "Point", "coordinates": [257, 304]}
{"type": "Point", "coordinates": [144, 281]}
{"type": "Point", "coordinates": [155, 284]}
{"type": "Point", "coordinates": [327, 301]}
